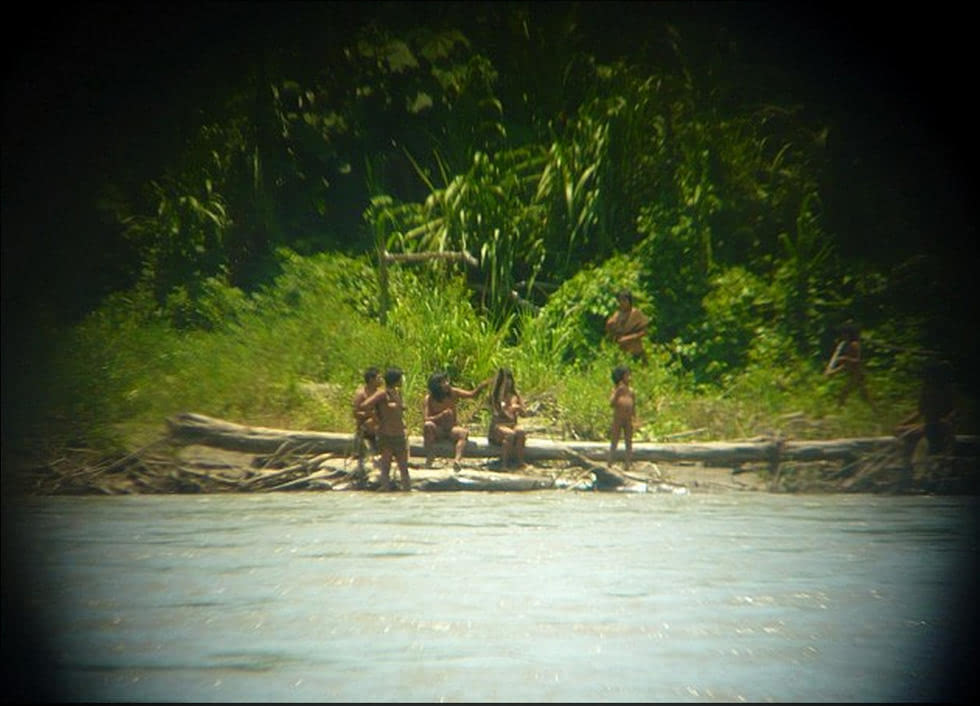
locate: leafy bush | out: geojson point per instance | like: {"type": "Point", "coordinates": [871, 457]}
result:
{"type": "Point", "coordinates": [213, 304]}
{"type": "Point", "coordinates": [292, 354]}
{"type": "Point", "coordinates": [572, 322]}
{"type": "Point", "coordinates": [738, 308]}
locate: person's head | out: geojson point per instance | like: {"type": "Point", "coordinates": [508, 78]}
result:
{"type": "Point", "coordinates": [620, 373]}
{"type": "Point", "coordinates": [850, 332]}
{"type": "Point", "coordinates": [503, 383]}
{"type": "Point", "coordinates": [625, 299]}
{"type": "Point", "coordinates": [371, 376]}
{"type": "Point", "coordinates": [439, 385]}
{"type": "Point", "coordinates": [393, 377]}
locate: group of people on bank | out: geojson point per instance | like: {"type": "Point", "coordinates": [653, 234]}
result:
{"type": "Point", "coordinates": [379, 408]}
{"type": "Point", "coordinates": [379, 416]}
{"type": "Point", "coordinates": [380, 420]}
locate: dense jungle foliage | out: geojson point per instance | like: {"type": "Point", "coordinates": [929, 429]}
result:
{"type": "Point", "coordinates": [244, 204]}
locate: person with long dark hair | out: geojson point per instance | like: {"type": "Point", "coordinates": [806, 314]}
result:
{"type": "Point", "coordinates": [627, 326]}
{"type": "Point", "coordinates": [440, 419]}
{"type": "Point", "coordinates": [506, 406]}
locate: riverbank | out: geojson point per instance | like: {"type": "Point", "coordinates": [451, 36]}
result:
{"type": "Point", "coordinates": [165, 467]}
{"type": "Point", "coordinates": [200, 454]}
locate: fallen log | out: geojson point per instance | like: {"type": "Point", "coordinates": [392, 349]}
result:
{"type": "Point", "coordinates": [604, 477]}
{"type": "Point", "coordinates": [192, 428]}
{"type": "Point", "coordinates": [485, 481]}
{"type": "Point", "coordinates": [452, 256]}
{"type": "Point", "coordinates": [325, 474]}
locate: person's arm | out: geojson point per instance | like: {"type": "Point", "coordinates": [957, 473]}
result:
{"type": "Point", "coordinates": [372, 400]}
{"type": "Point", "coordinates": [467, 394]}
{"type": "Point", "coordinates": [910, 419]}
{"type": "Point", "coordinates": [833, 365]}
{"type": "Point", "coordinates": [633, 336]}
{"type": "Point", "coordinates": [851, 353]}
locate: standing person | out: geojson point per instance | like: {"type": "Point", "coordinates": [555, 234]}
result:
{"type": "Point", "coordinates": [623, 403]}
{"type": "Point", "coordinates": [936, 413]}
{"type": "Point", "coordinates": [439, 416]}
{"type": "Point", "coordinates": [505, 407]}
{"type": "Point", "coordinates": [392, 441]}
{"type": "Point", "coordinates": [847, 357]}
{"type": "Point", "coordinates": [365, 421]}
{"type": "Point", "coordinates": [627, 326]}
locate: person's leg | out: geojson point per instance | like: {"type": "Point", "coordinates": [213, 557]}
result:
{"type": "Point", "coordinates": [862, 385]}
{"type": "Point", "coordinates": [520, 437]}
{"type": "Point", "coordinates": [385, 467]}
{"type": "Point", "coordinates": [429, 431]}
{"type": "Point", "coordinates": [506, 437]}
{"type": "Point", "coordinates": [359, 449]}
{"type": "Point", "coordinates": [613, 441]}
{"type": "Point", "coordinates": [628, 441]}
{"type": "Point", "coordinates": [460, 434]}
{"type": "Point", "coordinates": [909, 437]}
{"type": "Point", "coordinates": [403, 467]}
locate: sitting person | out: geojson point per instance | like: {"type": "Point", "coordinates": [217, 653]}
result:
{"type": "Point", "coordinates": [505, 407]}
{"type": "Point", "coordinates": [440, 418]}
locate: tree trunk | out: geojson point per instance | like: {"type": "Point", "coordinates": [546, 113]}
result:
{"type": "Point", "coordinates": [190, 428]}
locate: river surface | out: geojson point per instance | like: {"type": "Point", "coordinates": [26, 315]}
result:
{"type": "Point", "coordinates": [543, 596]}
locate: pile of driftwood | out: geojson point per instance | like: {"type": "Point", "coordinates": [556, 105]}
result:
{"type": "Point", "coordinates": [164, 467]}
{"type": "Point", "coordinates": [202, 454]}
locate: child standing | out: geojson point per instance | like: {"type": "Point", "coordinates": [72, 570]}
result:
{"type": "Point", "coordinates": [623, 403]}
{"type": "Point", "coordinates": [392, 442]}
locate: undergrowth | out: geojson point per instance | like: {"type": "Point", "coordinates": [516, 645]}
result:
{"type": "Point", "coordinates": [292, 355]}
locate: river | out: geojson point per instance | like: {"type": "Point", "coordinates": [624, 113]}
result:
{"type": "Point", "coordinates": [541, 596]}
